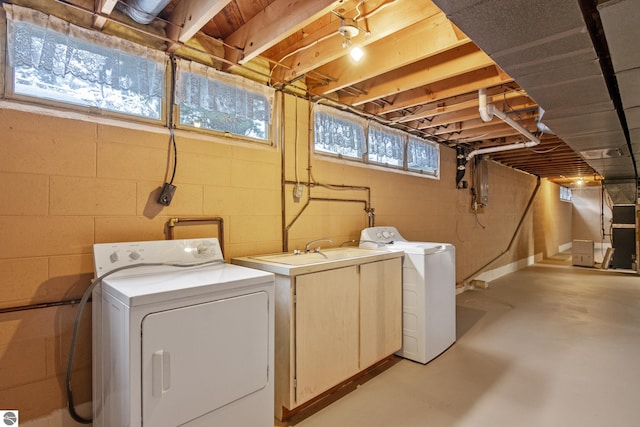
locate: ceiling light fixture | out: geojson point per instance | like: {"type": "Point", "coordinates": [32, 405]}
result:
{"type": "Point", "coordinates": [356, 53]}
{"type": "Point", "coordinates": [349, 29]}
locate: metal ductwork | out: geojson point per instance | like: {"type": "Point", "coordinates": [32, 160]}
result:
{"type": "Point", "coordinates": [143, 11]}
{"type": "Point", "coordinates": [621, 191]}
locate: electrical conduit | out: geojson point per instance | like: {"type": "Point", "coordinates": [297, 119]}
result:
{"type": "Point", "coordinates": [513, 237]}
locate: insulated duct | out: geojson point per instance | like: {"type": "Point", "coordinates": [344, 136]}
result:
{"type": "Point", "coordinates": [143, 11]}
{"type": "Point", "coordinates": [487, 111]}
{"type": "Point", "coordinates": [622, 191]}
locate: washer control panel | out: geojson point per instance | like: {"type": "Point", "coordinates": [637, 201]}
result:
{"type": "Point", "coordinates": [384, 234]}
{"type": "Point", "coordinates": [109, 256]}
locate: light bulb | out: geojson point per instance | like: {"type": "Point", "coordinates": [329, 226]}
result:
{"type": "Point", "coordinates": [356, 53]}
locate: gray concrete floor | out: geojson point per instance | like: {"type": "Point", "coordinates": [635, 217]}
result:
{"type": "Point", "coordinates": [550, 345]}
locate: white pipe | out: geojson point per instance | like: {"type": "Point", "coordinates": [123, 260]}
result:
{"type": "Point", "coordinates": [486, 113]}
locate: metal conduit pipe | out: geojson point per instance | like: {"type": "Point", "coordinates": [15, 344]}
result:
{"type": "Point", "coordinates": [369, 210]}
{"type": "Point", "coordinates": [513, 237]}
{"type": "Point", "coordinates": [173, 222]}
{"type": "Point", "coordinates": [487, 111]}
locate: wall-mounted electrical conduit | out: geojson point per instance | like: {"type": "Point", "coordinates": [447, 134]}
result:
{"type": "Point", "coordinates": [472, 276]}
{"type": "Point", "coordinates": [311, 183]}
{"type": "Point", "coordinates": [367, 208]}
{"type": "Point", "coordinates": [487, 111]}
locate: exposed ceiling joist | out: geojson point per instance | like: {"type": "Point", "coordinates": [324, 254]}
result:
{"type": "Point", "coordinates": [190, 16]}
{"type": "Point", "coordinates": [103, 9]}
{"type": "Point", "coordinates": [398, 15]}
{"type": "Point", "coordinates": [469, 82]}
{"type": "Point", "coordinates": [403, 48]}
{"type": "Point", "coordinates": [447, 65]}
{"type": "Point", "coordinates": [276, 22]}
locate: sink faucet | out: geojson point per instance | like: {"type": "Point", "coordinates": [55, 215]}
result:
{"type": "Point", "coordinates": [307, 248]}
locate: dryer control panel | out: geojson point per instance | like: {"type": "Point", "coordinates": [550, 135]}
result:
{"type": "Point", "coordinates": [110, 256]}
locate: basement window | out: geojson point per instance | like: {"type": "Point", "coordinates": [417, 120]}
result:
{"type": "Point", "coordinates": [54, 60]}
{"type": "Point", "coordinates": [338, 133]}
{"type": "Point", "coordinates": [341, 134]}
{"type": "Point", "coordinates": [385, 145]}
{"type": "Point", "coordinates": [423, 156]}
{"type": "Point", "coordinates": [221, 102]}
{"type": "Point", "coordinates": [565, 194]}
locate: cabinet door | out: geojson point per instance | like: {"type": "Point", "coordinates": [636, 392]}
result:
{"type": "Point", "coordinates": [380, 310]}
{"type": "Point", "coordinates": [326, 330]}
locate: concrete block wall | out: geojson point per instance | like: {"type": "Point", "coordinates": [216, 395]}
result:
{"type": "Point", "coordinates": [70, 181]}
{"type": "Point", "coordinates": [422, 209]}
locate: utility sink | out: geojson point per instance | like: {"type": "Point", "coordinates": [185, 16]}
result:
{"type": "Point", "coordinates": [290, 264]}
{"type": "Point", "coordinates": [326, 255]}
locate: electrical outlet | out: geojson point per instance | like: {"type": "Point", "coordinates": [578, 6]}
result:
{"type": "Point", "coordinates": [166, 195]}
{"type": "Point", "coordinates": [297, 192]}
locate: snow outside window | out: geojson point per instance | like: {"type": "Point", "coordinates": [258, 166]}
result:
{"type": "Point", "coordinates": [210, 99]}
{"type": "Point", "coordinates": [386, 145]}
{"type": "Point", "coordinates": [423, 156]}
{"type": "Point", "coordinates": [55, 60]}
{"type": "Point", "coordinates": [339, 133]}
{"type": "Point", "coordinates": [565, 194]}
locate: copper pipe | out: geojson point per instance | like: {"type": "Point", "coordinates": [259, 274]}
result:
{"type": "Point", "coordinates": [173, 222]}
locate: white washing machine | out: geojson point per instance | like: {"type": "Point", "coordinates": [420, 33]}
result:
{"type": "Point", "coordinates": [428, 292]}
{"type": "Point", "coordinates": [189, 346]}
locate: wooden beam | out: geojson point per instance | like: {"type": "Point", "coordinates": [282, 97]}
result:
{"type": "Point", "coordinates": [189, 17]}
{"type": "Point", "coordinates": [470, 82]}
{"type": "Point", "coordinates": [276, 22]}
{"type": "Point", "coordinates": [482, 127]}
{"type": "Point", "coordinates": [103, 7]}
{"type": "Point", "coordinates": [421, 40]}
{"type": "Point", "coordinates": [444, 66]}
{"type": "Point", "coordinates": [521, 102]}
{"type": "Point", "coordinates": [488, 132]}
{"type": "Point", "coordinates": [463, 104]}
{"type": "Point", "coordinates": [319, 52]}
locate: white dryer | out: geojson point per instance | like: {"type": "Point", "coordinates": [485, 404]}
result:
{"type": "Point", "coordinates": [428, 292]}
{"type": "Point", "coordinates": [189, 346]}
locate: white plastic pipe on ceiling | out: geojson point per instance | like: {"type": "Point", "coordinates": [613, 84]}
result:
{"type": "Point", "coordinates": [487, 111]}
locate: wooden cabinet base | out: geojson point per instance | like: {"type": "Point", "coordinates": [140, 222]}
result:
{"type": "Point", "coordinates": [340, 390]}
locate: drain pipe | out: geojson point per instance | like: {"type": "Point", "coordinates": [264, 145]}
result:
{"type": "Point", "coordinates": [487, 111]}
